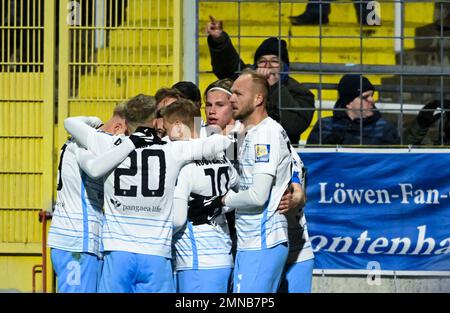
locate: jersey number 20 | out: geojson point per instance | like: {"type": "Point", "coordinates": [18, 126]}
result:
{"type": "Point", "coordinates": [133, 171]}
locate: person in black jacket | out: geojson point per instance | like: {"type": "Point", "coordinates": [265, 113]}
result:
{"type": "Point", "coordinates": [417, 132]}
{"type": "Point", "coordinates": [355, 120]}
{"type": "Point", "coordinates": [272, 60]}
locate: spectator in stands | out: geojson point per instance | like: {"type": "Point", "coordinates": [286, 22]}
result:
{"type": "Point", "coordinates": [191, 92]}
{"type": "Point", "coordinates": [416, 133]}
{"type": "Point", "coordinates": [271, 60]}
{"type": "Point", "coordinates": [317, 13]}
{"type": "Point", "coordinates": [355, 118]}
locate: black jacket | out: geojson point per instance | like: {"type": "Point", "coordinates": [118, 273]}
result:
{"type": "Point", "coordinates": [340, 129]}
{"type": "Point", "coordinates": [297, 102]}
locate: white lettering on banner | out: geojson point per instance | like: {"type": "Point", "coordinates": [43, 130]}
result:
{"type": "Point", "coordinates": [382, 245]}
{"type": "Point", "coordinates": [361, 241]}
{"type": "Point", "coordinates": [336, 240]}
{"type": "Point", "coordinates": [431, 196]}
{"type": "Point", "coordinates": [406, 193]}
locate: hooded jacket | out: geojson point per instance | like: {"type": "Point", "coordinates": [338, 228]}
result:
{"type": "Point", "coordinates": [297, 102]}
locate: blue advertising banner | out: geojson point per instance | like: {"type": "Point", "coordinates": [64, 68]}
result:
{"type": "Point", "coordinates": [383, 208]}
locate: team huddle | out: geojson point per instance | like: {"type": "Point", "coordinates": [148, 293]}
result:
{"type": "Point", "coordinates": [154, 201]}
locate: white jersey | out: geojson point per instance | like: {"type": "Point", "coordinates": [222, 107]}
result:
{"type": "Point", "coordinates": [205, 246]}
{"type": "Point", "coordinates": [78, 213]}
{"type": "Point", "coordinates": [139, 194]}
{"type": "Point", "coordinates": [232, 151]}
{"type": "Point", "coordinates": [265, 150]}
{"type": "Point", "coordinates": [299, 245]}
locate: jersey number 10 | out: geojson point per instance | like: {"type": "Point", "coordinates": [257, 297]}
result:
{"type": "Point", "coordinates": [221, 171]}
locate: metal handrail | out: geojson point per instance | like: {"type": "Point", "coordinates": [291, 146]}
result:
{"type": "Point", "coordinates": [381, 88]}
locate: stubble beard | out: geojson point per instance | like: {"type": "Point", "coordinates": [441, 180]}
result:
{"type": "Point", "coordinates": [242, 114]}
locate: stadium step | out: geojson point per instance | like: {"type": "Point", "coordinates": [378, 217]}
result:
{"type": "Point", "coordinates": [427, 52]}
{"type": "Point", "coordinates": [415, 12]}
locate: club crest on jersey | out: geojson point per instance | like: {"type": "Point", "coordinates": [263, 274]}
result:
{"type": "Point", "coordinates": [262, 153]}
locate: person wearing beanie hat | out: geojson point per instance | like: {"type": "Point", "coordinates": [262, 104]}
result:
{"type": "Point", "coordinates": [351, 86]}
{"type": "Point", "coordinates": [355, 120]}
{"type": "Point", "coordinates": [290, 103]}
{"type": "Point", "coordinates": [272, 46]}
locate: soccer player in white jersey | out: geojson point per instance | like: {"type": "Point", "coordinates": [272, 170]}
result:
{"type": "Point", "coordinates": [75, 230]}
{"type": "Point", "coordinates": [297, 276]}
{"type": "Point", "coordinates": [137, 232]}
{"type": "Point", "coordinates": [219, 118]}
{"type": "Point", "coordinates": [265, 165]}
{"type": "Point", "coordinates": [202, 249]}
{"type": "Point", "coordinates": [218, 109]}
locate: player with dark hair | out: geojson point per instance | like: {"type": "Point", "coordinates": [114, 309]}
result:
{"type": "Point", "coordinates": [190, 91]}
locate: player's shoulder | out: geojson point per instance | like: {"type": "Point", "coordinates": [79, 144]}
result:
{"type": "Point", "coordinates": [118, 139]}
{"type": "Point", "coordinates": [186, 169]}
{"type": "Point", "coordinates": [218, 161]}
{"type": "Point", "coordinates": [270, 125]}
{"type": "Point", "coordinates": [270, 130]}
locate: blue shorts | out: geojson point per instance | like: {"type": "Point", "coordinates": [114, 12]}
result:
{"type": "Point", "coordinates": [76, 271]}
{"type": "Point", "coordinates": [134, 273]}
{"type": "Point", "coordinates": [259, 270]}
{"type": "Point", "coordinates": [297, 277]}
{"type": "Point", "coordinates": [204, 281]}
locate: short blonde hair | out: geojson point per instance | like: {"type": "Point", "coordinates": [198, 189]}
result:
{"type": "Point", "coordinates": [183, 110]}
{"type": "Point", "coordinates": [139, 110]}
{"type": "Point", "coordinates": [119, 110]}
{"type": "Point", "coordinates": [259, 80]}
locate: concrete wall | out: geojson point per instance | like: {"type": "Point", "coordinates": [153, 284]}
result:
{"type": "Point", "coordinates": [384, 284]}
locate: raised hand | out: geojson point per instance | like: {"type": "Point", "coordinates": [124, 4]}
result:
{"type": "Point", "coordinates": [272, 76]}
{"type": "Point", "coordinates": [425, 118]}
{"type": "Point", "coordinates": [214, 28]}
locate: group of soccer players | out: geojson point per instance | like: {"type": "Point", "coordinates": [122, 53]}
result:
{"type": "Point", "coordinates": [150, 202]}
